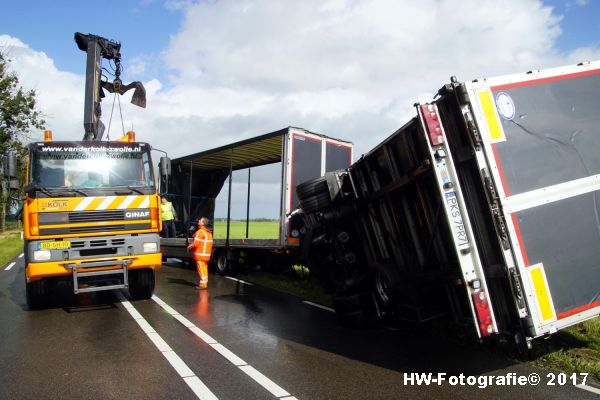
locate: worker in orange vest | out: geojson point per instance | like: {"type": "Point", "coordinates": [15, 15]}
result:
{"type": "Point", "coordinates": [201, 249]}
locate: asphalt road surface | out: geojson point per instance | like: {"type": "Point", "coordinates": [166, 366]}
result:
{"type": "Point", "coordinates": [233, 341]}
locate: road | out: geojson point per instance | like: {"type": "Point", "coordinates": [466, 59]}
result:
{"type": "Point", "coordinates": [232, 341]}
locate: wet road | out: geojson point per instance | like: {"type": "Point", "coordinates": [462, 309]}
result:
{"type": "Point", "coordinates": [232, 341]}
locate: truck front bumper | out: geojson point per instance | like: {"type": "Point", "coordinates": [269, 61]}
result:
{"type": "Point", "coordinates": [39, 270]}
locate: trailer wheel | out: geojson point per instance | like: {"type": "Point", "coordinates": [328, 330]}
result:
{"type": "Point", "coordinates": [312, 187]}
{"type": "Point", "coordinates": [356, 310]}
{"type": "Point", "coordinates": [36, 293]}
{"type": "Point", "coordinates": [222, 265]}
{"type": "Point", "coordinates": [385, 282]}
{"type": "Point", "coordinates": [315, 203]}
{"type": "Point", "coordinates": [141, 284]}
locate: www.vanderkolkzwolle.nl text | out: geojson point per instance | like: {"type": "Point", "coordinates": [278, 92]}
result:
{"type": "Point", "coordinates": [483, 381]}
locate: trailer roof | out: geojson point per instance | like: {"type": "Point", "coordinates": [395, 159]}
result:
{"type": "Point", "coordinates": [259, 150]}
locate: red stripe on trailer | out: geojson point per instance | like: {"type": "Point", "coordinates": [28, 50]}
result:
{"type": "Point", "coordinates": [520, 239]}
{"type": "Point", "coordinates": [577, 310]}
{"type": "Point", "coordinates": [292, 187]}
{"type": "Point", "coordinates": [513, 216]}
{"type": "Point", "coordinates": [545, 80]}
{"type": "Point", "coordinates": [500, 170]}
{"type": "Point", "coordinates": [307, 137]}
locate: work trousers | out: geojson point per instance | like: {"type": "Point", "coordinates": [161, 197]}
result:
{"type": "Point", "coordinates": [168, 229]}
{"type": "Point", "coordinates": [202, 267]}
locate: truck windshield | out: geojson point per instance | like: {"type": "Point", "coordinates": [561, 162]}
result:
{"type": "Point", "coordinates": [76, 166]}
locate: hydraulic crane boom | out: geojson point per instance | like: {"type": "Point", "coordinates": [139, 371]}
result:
{"type": "Point", "coordinates": [97, 48]}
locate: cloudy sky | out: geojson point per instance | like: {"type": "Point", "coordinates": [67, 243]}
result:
{"type": "Point", "coordinates": [222, 71]}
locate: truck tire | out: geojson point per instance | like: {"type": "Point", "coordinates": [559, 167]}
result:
{"type": "Point", "coordinates": [312, 188]}
{"type": "Point", "coordinates": [355, 310]}
{"type": "Point", "coordinates": [222, 264]}
{"type": "Point", "coordinates": [141, 284]}
{"type": "Point", "coordinates": [386, 282]}
{"type": "Point", "coordinates": [36, 293]}
{"type": "Point", "coordinates": [315, 203]}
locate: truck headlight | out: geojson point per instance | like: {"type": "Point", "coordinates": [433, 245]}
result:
{"type": "Point", "coordinates": [150, 247]}
{"type": "Point", "coordinates": [41, 255]}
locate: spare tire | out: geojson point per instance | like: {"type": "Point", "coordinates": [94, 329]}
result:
{"type": "Point", "coordinates": [315, 203]}
{"type": "Point", "coordinates": [312, 187]}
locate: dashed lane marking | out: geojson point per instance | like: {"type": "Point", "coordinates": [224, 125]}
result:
{"type": "Point", "coordinates": [21, 255]}
{"type": "Point", "coordinates": [258, 377]}
{"type": "Point", "coordinates": [588, 388]}
{"type": "Point", "coordinates": [188, 376]}
{"type": "Point", "coordinates": [12, 264]}
{"type": "Point", "coordinates": [239, 280]}
{"type": "Point", "coordinates": [310, 303]}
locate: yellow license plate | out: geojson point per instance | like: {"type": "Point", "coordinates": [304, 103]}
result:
{"type": "Point", "coordinates": [63, 244]}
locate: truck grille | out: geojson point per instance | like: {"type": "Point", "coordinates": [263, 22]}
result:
{"type": "Point", "coordinates": [93, 216]}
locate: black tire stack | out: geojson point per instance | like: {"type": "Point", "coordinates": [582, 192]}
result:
{"type": "Point", "coordinates": [313, 195]}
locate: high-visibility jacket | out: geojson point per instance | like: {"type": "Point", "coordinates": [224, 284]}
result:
{"type": "Point", "coordinates": [201, 247]}
{"type": "Point", "coordinates": [167, 211]}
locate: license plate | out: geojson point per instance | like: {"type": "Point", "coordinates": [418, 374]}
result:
{"type": "Point", "coordinates": [63, 244]}
{"type": "Point", "coordinates": [460, 234]}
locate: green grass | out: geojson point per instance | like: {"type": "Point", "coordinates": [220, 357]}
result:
{"type": "Point", "coordinates": [10, 245]}
{"type": "Point", "coordinates": [576, 349]}
{"type": "Point", "coordinates": [237, 229]}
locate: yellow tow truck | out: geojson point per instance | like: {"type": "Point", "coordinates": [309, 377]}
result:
{"type": "Point", "coordinates": [91, 211]}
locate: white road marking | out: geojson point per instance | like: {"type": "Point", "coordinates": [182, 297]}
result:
{"type": "Point", "coordinates": [288, 398]}
{"type": "Point", "coordinates": [588, 388]}
{"type": "Point", "coordinates": [259, 378]}
{"type": "Point", "coordinates": [12, 264]}
{"type": "Point", "coordinates": [265, 382]}
{"type": "Point", "coordinates": [194, 383]}
{"type": "Point", "coordinates": [239, 280]}
{"type": "Point", "coordinates": [21, 255]}
{"type": "Point", "coordinates": [310, 303]}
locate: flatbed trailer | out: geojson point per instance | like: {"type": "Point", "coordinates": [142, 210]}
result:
{"type": "Point", "coordinates": [483, 208]}
{"type": "Point", "coordinates": [197, 179]}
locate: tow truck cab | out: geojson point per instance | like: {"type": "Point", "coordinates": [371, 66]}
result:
{"type": "Point", "coordinates": [90, 217]}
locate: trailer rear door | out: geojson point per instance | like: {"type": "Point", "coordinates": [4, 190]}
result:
{"type": "Point", "coordinates": [541, 146]}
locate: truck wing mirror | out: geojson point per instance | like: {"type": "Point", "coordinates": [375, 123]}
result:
{"type": "Point", "coordinates": [165, 166]}
{"type": "Point", "coordinates": [10, 166]}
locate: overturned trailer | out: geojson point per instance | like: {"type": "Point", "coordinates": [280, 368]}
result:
{"type": "Point", "coordinates": [197, 179]}
{"type": "Point", "coordinates": [484, 207]}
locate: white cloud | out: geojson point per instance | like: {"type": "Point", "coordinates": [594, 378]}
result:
{"type": "Point", "coordinates": [347, 68]}
{"type": "Point", "coordinates": [59, 93]}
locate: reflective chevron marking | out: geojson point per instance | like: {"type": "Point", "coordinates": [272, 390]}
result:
{"type": "Point", "coordinates": [145, 203]}
{"type": "Point", "coordinates": [128, 200]}
{"type": "Point", "coordinates": [106, 202]}
{"type": "Point", "coordinates": [84, 203]}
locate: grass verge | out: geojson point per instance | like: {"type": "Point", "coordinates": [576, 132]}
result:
{"type": "Point", "coordinates": [575, 349]}
{"type": "Point", "coordinates": [296, 282]}
{"type": "Point", "coordinates": [10, 245]}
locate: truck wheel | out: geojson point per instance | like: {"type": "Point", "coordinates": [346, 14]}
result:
{"type": "Point", "coordinates": [312, 187]}
{"type": "Point", "coordinates": [355, 310]}
{"type": "Point", "coordinates": [36, 293]}
{"type": "Point", "coordinates": [385, 285]}
{"type": "Point", "coordinates": [222, 265]}
{"type": "Point", "coordinates": [141, 284]}
{"type": "Point", "coordinates": [315, 203]}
